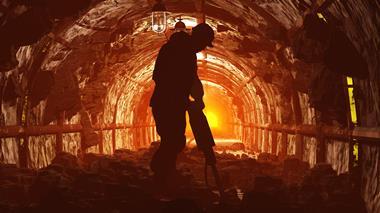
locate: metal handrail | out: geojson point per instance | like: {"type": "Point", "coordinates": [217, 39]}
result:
{"type": "Point", "coordinates": [18, 131]}
{"type": "Point", "coordinates": [362, 134]}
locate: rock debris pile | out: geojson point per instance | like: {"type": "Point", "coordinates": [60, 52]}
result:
{"type": "Point", "coordinates": [124, 183]}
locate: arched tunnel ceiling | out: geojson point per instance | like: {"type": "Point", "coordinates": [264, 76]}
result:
{"type": "Point", "coordinates": [102, 62]}
{"type": "Point", "coordinates": [113, 42]}
{"type": "Point", "coordinates": [135, 46]}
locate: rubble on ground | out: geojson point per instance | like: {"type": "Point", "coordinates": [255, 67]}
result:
{"type": "Point", "coordinates": [123, 183]}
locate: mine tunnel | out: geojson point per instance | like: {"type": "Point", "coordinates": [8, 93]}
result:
{"type": "Point", "coordinates": [291, 92]}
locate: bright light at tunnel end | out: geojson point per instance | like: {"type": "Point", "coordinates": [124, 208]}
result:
{"type": "Point", "coordinates": [212, 119]}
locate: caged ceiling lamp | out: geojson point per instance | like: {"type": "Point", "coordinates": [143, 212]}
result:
{"type": "Point", "coordinates": [159, 17]}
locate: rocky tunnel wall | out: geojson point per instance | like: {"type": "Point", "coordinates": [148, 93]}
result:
{"type": "Point", "coordinates": [139, 46]}
{"type": "Point", "coordinates": [122, 61]}
{"type": "Point", "coordinates": [102, 62]}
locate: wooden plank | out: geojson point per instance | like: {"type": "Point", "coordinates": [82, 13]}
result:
{"type": "Point", "coordinates": [23, 151]}
{"type": "Point", "coordinates": [101, 144]}
{"type": "Point", "coordinates": [321, 146]}
{"type": "Point", "coordinates": [284, 144]}
{"type": "Point", "coordinates": [59, 135]}
{"type": "Point", "coordinates": [299, 146]}
{"type": "Point", "coordinates": [274, 142]}
{"type": "Point", "coordinates": [298, 120]}
{"type": "Point", "coordinates": [266, 140]}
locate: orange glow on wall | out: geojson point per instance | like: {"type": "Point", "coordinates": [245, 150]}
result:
{"type": "Point", "coordinates": [218, 111]}
{"type": "Point", "coordinates": [212, 119]}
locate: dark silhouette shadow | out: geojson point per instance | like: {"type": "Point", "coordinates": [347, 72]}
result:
{"type": "Point", "coordinates": [181, 205]}
{"type": "Point", "coordinates": [175, 77]}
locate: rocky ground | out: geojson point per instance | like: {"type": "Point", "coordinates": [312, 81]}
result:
{"type": "Point", "coordinates": [123, 183]}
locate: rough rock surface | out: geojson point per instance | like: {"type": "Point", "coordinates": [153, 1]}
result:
{"type": "Point", "coordinates": [123, 183]}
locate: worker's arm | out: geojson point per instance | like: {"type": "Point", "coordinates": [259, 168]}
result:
{"type": "Point", "coordinates": [197, 92]}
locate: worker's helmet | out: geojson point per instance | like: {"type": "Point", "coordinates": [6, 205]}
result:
{"type": "Point", "coordinates": [204, 32]}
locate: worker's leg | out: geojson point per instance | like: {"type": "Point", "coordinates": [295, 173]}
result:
{"type": "Point", "coordinates": [171, 124]}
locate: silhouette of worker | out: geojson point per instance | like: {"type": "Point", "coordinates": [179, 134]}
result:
{"type": "Point", "coordinates": [175, 77]}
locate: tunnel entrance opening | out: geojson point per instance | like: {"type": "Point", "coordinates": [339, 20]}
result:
{"type": "Point", "coordinates": [220, 113]}
{"type": "Point", "coordinates": [222, 116]}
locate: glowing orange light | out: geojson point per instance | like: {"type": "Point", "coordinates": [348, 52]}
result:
{"type": "Point", "coordinates": [218, 111]}
{"type": "Point", "coordinates": [212, 119]}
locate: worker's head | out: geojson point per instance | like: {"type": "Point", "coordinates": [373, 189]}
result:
{"type": "Point", "coordinates": [202, 36]}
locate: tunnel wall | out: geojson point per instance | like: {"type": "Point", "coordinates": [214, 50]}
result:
{"type": "Point", "coordinates": [358, 19]}
{"type": "Point", "coordinates": [338, 155]}
{"type": "Point", "coordinates": [371, 177]}
{"type": "Point", "coordinates": [363, 28]}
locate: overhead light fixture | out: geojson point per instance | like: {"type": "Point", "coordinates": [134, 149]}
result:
{"type": "Point", "coordinates": [159, 19]}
